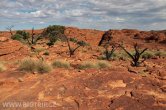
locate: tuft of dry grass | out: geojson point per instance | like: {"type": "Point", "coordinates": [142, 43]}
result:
{"type": "Point", "coordinates": [148, 55]}
{"type": "Point", "coordinates": [94, 65]}
{"type": "Point", "coordinates": [31, 65]}
{"type": "Point", "coordinates": [2, 67]}
{"type": "Point", "coordinates": [87, 65]}
{"type": "Point", "coordinates": [103, 64]}
{"type": "Point", "coordinates": [160, 53]}
{"type": "Point", "coordinates": [61, 64]}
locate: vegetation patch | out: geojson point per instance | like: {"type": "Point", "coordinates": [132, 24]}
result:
{"type": "Point", "coordinates": [94, 65]}
{"type": "Point", "coordinates": [20, 35]}
{"type": "Point", "coordinates": [39, 49]}
{"type": "Point", "coordinates": [61, 64]}
{"type": "Point", "coordinates": [46, 53]}
{"type": "Point", "coordinates": [54, 28]}
{"type": "Point", "coordinates": [87, 65]}
{"type": "Point", "coordinates": [54, 33]}
{"type": "Point", "coordinates": [115, 56]}
{"type": "Point", "coordinates": [148, 55]}
{"type": "Point", "coordinates": [160, 53]}
{"type": "Point", "coordinates": [2, 67]}
{"type": "Point", "coordinates": [103, 64]}
{"type": "Point", "coordinates": [31, 65]}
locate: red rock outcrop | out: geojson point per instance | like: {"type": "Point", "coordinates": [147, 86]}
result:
{"type": "Point", "coordinates": [91, 36]}
{"type": "Point", "coordinates": [129, 37]}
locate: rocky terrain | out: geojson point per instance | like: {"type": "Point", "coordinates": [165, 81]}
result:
{"type": "Point", "coordinates": [120, 87]}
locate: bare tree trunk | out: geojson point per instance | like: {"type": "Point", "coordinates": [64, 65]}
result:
{"type": "Point", "coordinates": [9, 28]}
{"type": "Point", "coordinates": [71, 50]}
{"type": "Point", "coordinates": [136, 57]}
{"type": "Point", "coordinates": [32, 36]}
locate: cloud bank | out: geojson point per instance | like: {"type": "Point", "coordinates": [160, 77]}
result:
{"type": "Point", "coordinates": [95, 14]}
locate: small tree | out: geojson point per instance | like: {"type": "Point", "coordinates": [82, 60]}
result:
{"type": "Point", "coordinates": [53, 37]}
{"type": "Point", "coordinates": [53, 28]}
{"type": "Point", "coordinates": [34, 39]}
{"type": "Point", "coordinates": [54, 33]}
{"type": "Point", "coordinates": [9, 28]}
{"type": "Point", "coordinates": [24, 34]}
{"type": "Point", "coordinates": [135, 57]}
{"type": "Point", "coordinates": [108, 53]}
{"type": "Point", "coordinates": [20, 35]}
{"type": "Point", "coordinates": [72, 50]}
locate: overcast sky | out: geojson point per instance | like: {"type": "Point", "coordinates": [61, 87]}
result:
{"type": "Point", "coordinates": [94, 14]}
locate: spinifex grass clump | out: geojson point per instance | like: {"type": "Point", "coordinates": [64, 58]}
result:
{"type": "Point", "coordinates": [87, 65]}
{"type": "Point", "coordinates": [94, 65]}
{"type": "Point", "coordinates": [160, 53]}
{"type": "Point", "coordinates": [103, 64]}
{"type": "Point", "coordinates": [136, 56]}
{"type": "Point", "coordinates": [2, 67]}
{"type": "Point", "coordinates": [31, 65]}
{"type": "Point", "coordinates": [148, 54]}
{"type": "Point", "coordinates": [61, 64]}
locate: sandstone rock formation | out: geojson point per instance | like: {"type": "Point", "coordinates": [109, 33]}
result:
{"type": "Point", "coordinates": [128, 36]}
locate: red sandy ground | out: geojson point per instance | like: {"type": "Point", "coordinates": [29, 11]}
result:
{"type": "Point", "coordinates": [115, 88]}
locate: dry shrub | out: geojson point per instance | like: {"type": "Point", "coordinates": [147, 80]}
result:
{"type": "Point", "coordinates": [2, 67]}
{"type": "Point", "coordinates": [61, 64]}
{"type": "Point", "coordinates": [32, 65]}
{"type": "Point", "coordinates": [94, 65]}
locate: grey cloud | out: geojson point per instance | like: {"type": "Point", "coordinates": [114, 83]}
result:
{"type": "Point", "coordinates": [98, 14]}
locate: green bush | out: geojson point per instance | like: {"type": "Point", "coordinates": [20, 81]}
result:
{"type": "Point", "coordinates": [20, 36]}
{"type": "Point", "coordinates": [24, 34]}
{"type": "Point", "coordinates": [61, 64]}
{"type": "Point", "coordinates": [2, 67]}
{"type": "Point", "coordinates": [52, 40]}
{"type": "Point", "coordinates": [73, 40]}
{"type": "Point", "coordinates": [31, 65]}
{"type": "Point", "coordinates": [17, 37]}
{"type": "Point", "coordinates": [54, 28]}
{"type": "Point", "coordinates": [54, 33]}
{"type": "Point", "coordinates": [82, 43]}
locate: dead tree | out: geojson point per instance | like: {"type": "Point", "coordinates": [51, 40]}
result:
{"type": "Point", "coordinates": [108, 53]}
{"type": "Point", "coordinates": [9, 28]}
{"type": "Point", "coordinates": [72, 50]}
{"type": "Point", "coordinates": [33, 38]}
{"type": "Point", "coordinates": [135, 57]}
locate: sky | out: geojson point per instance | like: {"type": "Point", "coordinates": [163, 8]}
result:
{"type": "Point", "coordinates": [91, 14]}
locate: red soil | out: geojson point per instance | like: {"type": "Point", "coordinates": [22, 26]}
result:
{"type": "Point", "coordinates": [121, 87]}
